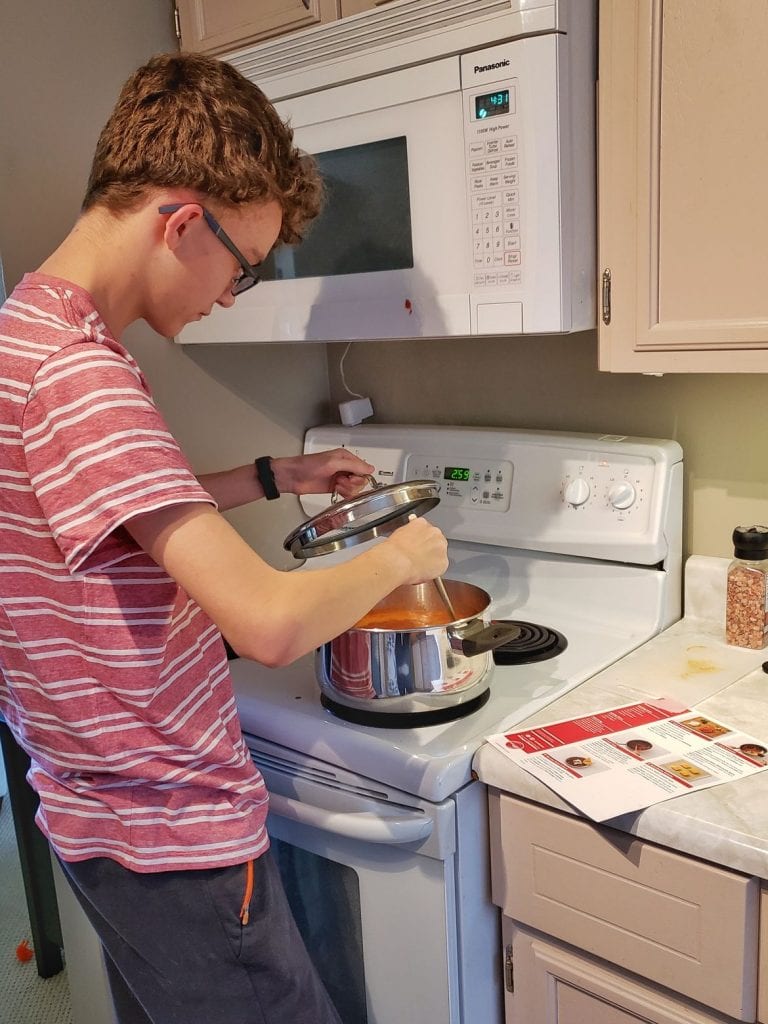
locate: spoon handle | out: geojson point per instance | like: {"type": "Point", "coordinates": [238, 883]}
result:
{"type": "Point", "coordinates": [444, 595]}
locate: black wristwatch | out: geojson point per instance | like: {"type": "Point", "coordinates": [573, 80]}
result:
{"type": "Point", "coordinates": [266, 477]}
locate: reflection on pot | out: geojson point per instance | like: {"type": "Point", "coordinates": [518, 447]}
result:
{"type": "Point", "coordinates": [367, 666]}
{"type": "Point", "coordinates": [350, 664]}
{"type": "Point", "coordinates": [404, 666]}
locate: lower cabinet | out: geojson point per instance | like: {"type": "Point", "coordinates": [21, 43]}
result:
{"type": "Point", "coordinates": [762, 968]}
{"type": "Point", "coordinates": [548, 983]}
{"type": "Point", "coordinates": [604, 927]}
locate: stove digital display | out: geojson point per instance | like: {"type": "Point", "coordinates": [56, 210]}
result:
{"type": "Point", "coordinates": [455, 473]}
{"type": "Point", "coordinates": [491, 104]}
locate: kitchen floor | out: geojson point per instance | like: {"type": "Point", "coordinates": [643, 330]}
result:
{"type": "Point", "coordinates": [25, 997]}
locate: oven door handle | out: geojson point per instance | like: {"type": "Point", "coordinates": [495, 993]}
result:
{"type": "Point", "coordinates": [363, 825]}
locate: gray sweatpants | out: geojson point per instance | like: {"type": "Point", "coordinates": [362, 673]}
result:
{"type": "Point", "coordinates": [177, 953]}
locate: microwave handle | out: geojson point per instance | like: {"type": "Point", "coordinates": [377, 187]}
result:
{"type": "Point", "coordinates": [364, 826]}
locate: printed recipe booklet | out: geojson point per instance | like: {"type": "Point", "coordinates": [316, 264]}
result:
{"type": "Point", "coordinates": [630, 757]}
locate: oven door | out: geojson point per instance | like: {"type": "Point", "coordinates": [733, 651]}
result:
{"type": "Point", "coordinates": [372, 878]}
{"type": "Point", "coordinates": [390, 256]}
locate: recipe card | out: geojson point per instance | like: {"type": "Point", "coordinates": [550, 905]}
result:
{"type": "Point", "coordinates": [630, 757]}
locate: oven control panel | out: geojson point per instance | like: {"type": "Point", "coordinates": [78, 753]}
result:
{"type": "Point", "coordinates": [601, 496]}
{"type": "Point", "coordinates": [468, 483]}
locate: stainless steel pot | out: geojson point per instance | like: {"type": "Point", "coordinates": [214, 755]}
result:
{"type": "Point", "coordinates": [406, 655]}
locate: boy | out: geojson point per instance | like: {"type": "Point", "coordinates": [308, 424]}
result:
{"type": "Point", "coordinates": [118, 575]}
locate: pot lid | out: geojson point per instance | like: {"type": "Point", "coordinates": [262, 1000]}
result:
{"type": "Point", "coordinates": [374, 513]}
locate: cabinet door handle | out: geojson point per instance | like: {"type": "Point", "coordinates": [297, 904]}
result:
{"type": "Point", "coordinates": [606, 297]}
{"type": "Point", "coordinates": [509, 968]}
{"type": "Point", "coordinates": [306, 3]}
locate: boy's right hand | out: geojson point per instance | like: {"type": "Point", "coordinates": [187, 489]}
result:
{"type": "Point", "coordinates": [424, 548]}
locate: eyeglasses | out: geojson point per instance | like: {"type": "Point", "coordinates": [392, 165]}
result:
{"type": "Point", "coordinates": [250, 275]}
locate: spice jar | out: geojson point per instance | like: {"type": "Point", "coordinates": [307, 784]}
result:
{"type": "Point", "coordinates": [746, 600]}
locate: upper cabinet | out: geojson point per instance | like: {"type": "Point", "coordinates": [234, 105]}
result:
{"type": "Point", "coordinates": [222, 26]}
{"type": "Point", "coordinates": [683, 202]}
{"type": "Point", "coordinates": [348, 7]}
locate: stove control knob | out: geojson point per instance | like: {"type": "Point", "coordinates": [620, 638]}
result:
{"type": "Point", "coordinates": [577, 491]}
{"type": "Point", "coordinates": [622, 495]}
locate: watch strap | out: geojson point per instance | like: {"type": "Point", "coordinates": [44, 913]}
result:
{"type": "Point", "coordinates": [266, 477]}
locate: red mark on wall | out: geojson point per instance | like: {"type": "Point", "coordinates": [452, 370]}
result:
{"type": "Point", "coordinates": [409, 306]}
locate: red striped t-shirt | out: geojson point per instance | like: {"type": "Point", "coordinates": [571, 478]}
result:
{"type": "Point", "coordinates": [112, 679]}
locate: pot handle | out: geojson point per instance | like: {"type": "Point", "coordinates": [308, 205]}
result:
{"type": "Point", "coordinates": [479, 641]}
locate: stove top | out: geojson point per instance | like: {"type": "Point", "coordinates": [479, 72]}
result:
{"type": "Point", "coordinates": [604, 578]}
{"type": "Point", "coordinates": [283, 706]}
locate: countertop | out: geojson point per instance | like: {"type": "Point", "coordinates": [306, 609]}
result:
{"type": "Point", "coordinates": [690, 661]}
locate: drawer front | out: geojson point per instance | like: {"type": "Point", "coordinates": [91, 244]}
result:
{"type": "Point", "coordinates": [762, 969]}
{"type": "Point", "coordinates": [553, 984]}
{"type": "Point", "coordinates": [680, 922]}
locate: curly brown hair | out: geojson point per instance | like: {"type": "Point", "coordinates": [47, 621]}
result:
{"type": "Point", "coordinates": [192, 121]}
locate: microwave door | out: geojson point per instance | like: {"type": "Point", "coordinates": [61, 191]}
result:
{"type": "Point", "coordinates": [373, 265]}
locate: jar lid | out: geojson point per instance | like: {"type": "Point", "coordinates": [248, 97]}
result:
{"type": "Point", "coordinates": [750, 542]}
{"type": "Point", "coordinates": [374, 513]}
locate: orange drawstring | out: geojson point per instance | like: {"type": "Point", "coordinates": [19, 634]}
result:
{"type": "Point", "coordinates": [244, 911]}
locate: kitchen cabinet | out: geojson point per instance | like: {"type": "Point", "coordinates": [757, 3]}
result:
{"type": "Point", "coordinates": [682, 206]}
{"type": "Point", "coordinates": [605, 927]}
{"type": "Point", "coordinates": [553, 984]}
{"type": "Point", "coordinates": [762, 971]}
{"type": "Point", "coordinates": [358, 6]}
{"type": "Point", "coordinates": [222, 26]}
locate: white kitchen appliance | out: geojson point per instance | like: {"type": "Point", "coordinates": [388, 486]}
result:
{"type": "Point", "coordinates": [457, 142]}
{"type": "Point", "coordinates": [381, 833]}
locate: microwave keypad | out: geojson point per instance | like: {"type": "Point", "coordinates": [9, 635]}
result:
{"type": "Point", "coordinates": [494, 183]}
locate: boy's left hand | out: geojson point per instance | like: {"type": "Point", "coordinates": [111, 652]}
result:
{"type": "Point", "coordinates": [337, 471]}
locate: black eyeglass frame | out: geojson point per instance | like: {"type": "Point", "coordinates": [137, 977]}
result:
{"type": "Point", "coordinates": [250, 275]}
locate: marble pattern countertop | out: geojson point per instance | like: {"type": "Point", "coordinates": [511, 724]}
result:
{"type": "Point", "coordinates": [689, 661]}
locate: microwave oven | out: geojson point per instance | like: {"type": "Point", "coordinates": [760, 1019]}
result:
{"type": "Point", "coordinates": [457, 144]}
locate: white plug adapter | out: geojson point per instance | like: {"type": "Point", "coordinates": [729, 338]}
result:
{"type": "Point", "coordinates": [355, 411]}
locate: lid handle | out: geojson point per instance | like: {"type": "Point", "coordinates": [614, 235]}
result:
{"type": "Point", "coordinates": [375, 486]}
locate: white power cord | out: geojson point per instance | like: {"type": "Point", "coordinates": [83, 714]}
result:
{"type": "Point", "coordinates": [359, 407]}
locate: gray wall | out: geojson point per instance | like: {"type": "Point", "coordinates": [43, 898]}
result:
{"type": "Point", "coordinates": [720, 420]}
{"type": "Point", "coordinates": [61, 68]}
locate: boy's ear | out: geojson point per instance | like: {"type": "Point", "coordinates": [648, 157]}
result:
{"type": "Point", "coordinates": [179, 222]}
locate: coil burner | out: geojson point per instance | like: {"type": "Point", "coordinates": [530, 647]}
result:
{"type": "Point", "coordinates": [535, 643]}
